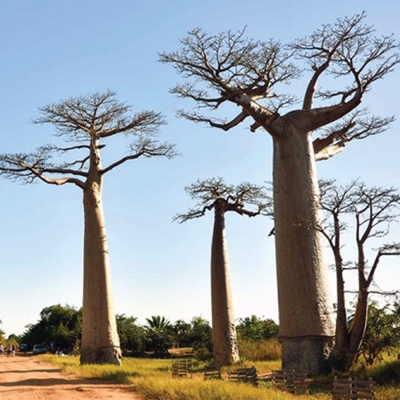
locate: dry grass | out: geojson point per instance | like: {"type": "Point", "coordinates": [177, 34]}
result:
{"type": "Point", "coordinates": [265, 349]}
{"type": "Point", "coordinates": [195, 389]}
{"type": "Point", "coordinates": [152, 379]}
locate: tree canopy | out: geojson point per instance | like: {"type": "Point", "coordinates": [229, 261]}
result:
{"type": "Point", "coordinates": [245, 198]}
{"type": "Point", "coordinates": [86, 121]}
{"type": "Point", "coordinates": [221, 70]}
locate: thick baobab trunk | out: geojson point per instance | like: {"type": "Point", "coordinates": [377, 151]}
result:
{"type": "Point", "coordinates": [305, 311]}
{"type": "Point", "coordinates": [100, 341]}
{"type": "Point", "coordinates": [225, 348]}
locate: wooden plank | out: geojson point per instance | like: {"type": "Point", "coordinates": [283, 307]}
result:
{"type": "Point", "coordinates": [182, 368]}
{"type": "Point", "coordinates": [248, 375]}
{"type": "Point", "coordinates": [352, 389]}
{"type": "Point", "coordinates": [212, 372]}
{"type": "Point", "coordinates": [290, 381]}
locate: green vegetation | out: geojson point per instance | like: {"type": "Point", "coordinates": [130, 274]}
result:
{"type": "Point", "coordinates": [382, 334]}
{"type": "Point", "coordinates": [60, 327]}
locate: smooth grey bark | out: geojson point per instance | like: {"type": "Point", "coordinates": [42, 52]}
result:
{"type": "Point", "coordinates": [305, 311]}
{"type": "Point", "coordinates": [100, 340]}
{"type": "Point", "coordinates": [225, 347]}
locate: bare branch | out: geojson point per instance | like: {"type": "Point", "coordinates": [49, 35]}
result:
{"type": "Point", "coordinates": [372, 207]}
{"type": "Point", "coordinates": [215, 193]}
{"type": "Point", "coordinates": [79, 117]}
{"type": "Point", "coordinates": [355, 127]}
{"type": "Point", "coordinates": [195, 117]}
{"type": "Point", "coordinates": [145, 122]}
{"type": "Point", "coordinates": [144, 147]}
{"type": "Point", "coordinates": [192, 214]}
{"type": "Point", "coordinates": [89, 118]}
{"type": "Point", "coordinates": [346, 49]}
{"type": "Point", "coordinates": [27, 167]}
{"type": "Point", "coordinates": [392, 249]}
{"type": "Point", "coordinates": [375, 206]}
{"type": "Point", "coordinates": [227, 68]}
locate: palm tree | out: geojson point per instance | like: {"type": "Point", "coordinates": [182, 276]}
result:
{"type": "Point", "coordinates": [158, 322]}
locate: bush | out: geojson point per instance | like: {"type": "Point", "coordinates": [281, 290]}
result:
{"type": "Point", "coordinates": [254, 328]}
{"type": "Point", "coordinates": [203, 354]}
{"type": "Point", "coordinates": [260, 350]}
{"type": "Point", "coordinates": [384, 373]}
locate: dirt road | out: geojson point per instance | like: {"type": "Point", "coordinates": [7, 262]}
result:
{"type": "Point", "coordinates": [27, 378]}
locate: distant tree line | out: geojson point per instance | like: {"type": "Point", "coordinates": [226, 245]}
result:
{"type": "Point", "coordinates": [60, 328]}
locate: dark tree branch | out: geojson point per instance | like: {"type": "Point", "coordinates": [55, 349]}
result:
{"type": "Point", "coordinates": [90, 118]}
{"type": "Point", "coordinates": [145, 147]}
{"type": "Point", "coordinates": [215, 193]}
{"type": "Point", "coordinates": [386, 250]}
{"type": "Point", "coordinates": [229, 69]}
{"type": "Point", "coordinates": [355, 127]}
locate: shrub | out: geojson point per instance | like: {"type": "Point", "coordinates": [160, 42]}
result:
{"type": "Point", "coordinates": [203, 354]}
{"type": "Point", "coordinates": [254, 328]}
{"type": "Point", "coordinates": [260, 350]}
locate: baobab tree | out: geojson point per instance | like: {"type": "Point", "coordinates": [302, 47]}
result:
{"type": "Point", "coordinates": [373, 209]}
{"type": "Point", "coordinates": [87, 122]}
{"type": "Point", "coordinates": [244, 199]}
{"type": "Point", "coordinates": [249, 75]}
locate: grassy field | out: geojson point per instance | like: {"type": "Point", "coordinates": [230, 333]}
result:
{"type": "Point", "coordinates": [152, 379]}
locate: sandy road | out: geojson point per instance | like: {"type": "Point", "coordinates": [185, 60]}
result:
{"type": "Point", "coordinates": [28, 378]}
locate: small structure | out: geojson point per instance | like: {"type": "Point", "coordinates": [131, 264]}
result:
{"type": "Point", "coordinates": [212, 372]}
{"type": "Point", "coordinates": [290, 381]}
{"type": "Point", "coordinates": [353, 389]}
{"type": "Point", "coordinates": [248, 375]}
{"type": "Point", "coordinates": [182, 369]}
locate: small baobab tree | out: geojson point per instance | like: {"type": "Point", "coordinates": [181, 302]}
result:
{"type": "Point", "coordinates": [372, 209]}
{"type": "Point", "coordinates": [87, 122]}
{"type": "Point", "coordinates": [229, 75]}
{"type": "Point", "coordinates": [214, 194]}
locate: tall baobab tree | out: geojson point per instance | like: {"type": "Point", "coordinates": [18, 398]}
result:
{"type": "Point", "coordinates": [214, 194]}
{"type": "Point", "coordinates": [88, 121]}
{"type": "Point", "coordinates": [373, 209]}
{"type": "Point", "coordinates": [226, 70]}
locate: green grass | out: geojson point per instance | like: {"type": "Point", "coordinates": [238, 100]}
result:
{"type": "Point", "coordinates": [152, 379]}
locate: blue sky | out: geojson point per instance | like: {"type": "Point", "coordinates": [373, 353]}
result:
{"type": "Point", "coordinates": [52, 50]}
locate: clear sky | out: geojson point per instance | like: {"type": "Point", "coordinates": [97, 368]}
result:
{"type": "Point", "coordinates": [52, 50]}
